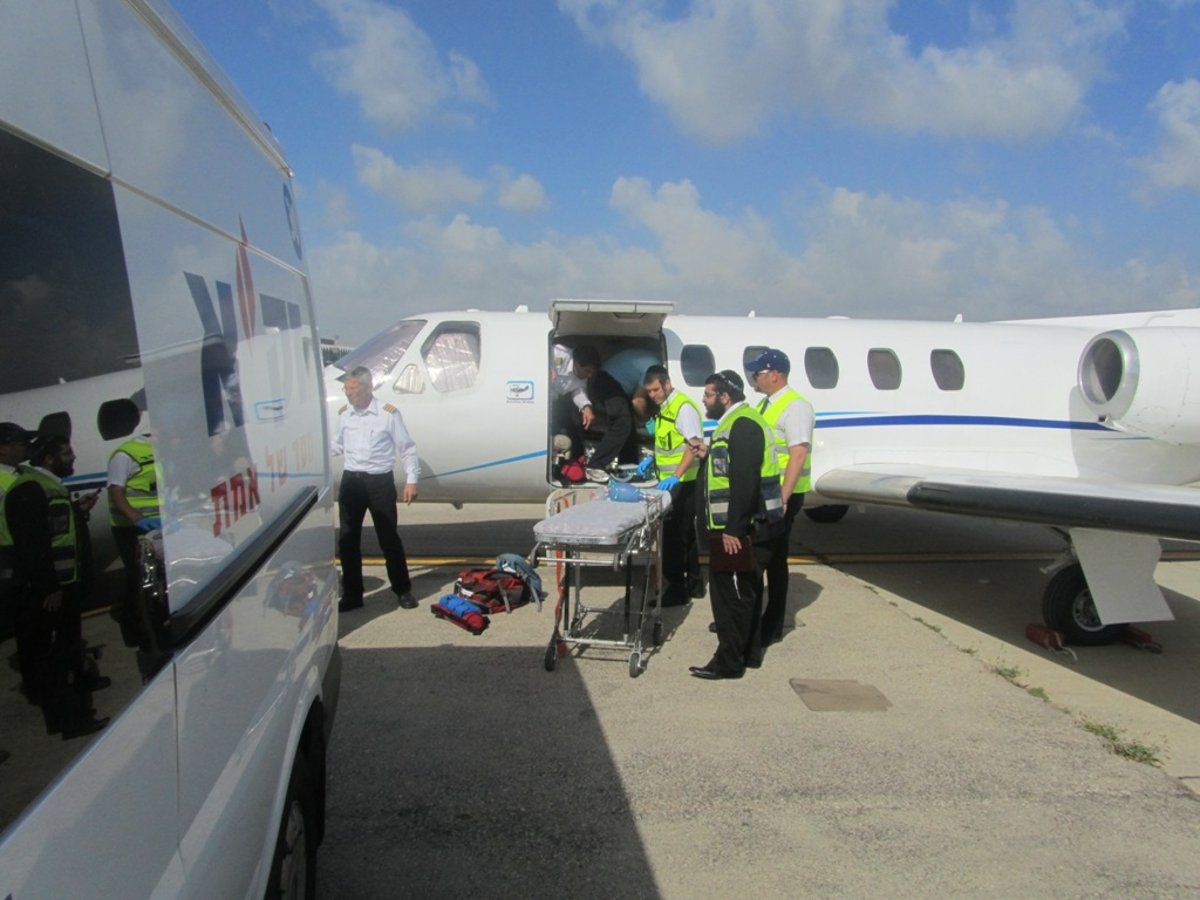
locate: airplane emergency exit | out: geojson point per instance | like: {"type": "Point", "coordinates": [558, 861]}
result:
{"type": "Point", "coordinates": [1090, 425]}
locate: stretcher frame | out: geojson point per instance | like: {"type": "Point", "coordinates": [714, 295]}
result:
{"type": "Point", "coordinates": [637, 546]}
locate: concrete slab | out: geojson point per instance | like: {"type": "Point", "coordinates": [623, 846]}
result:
{"type": "Point", "coordinates": [461, 767]}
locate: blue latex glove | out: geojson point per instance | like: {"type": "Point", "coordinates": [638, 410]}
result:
{"type": "Point", "coordinates": [667, 483]}
{"type": "Point", "coordinates": [148, 524]}
{"type": "Point", "coordinates": [646, 466]}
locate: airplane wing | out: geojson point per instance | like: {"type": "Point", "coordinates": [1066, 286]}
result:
{"type": "Point", "coordinates": [1151, 509]}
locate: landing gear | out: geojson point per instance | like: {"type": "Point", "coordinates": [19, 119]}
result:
{"type": "Point", "coordinates": [826, 515]}
{"type": "Point", "coordinates": [1067, 607]}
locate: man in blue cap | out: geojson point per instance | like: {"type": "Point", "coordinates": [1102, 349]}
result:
{"type": "Point", "coordinates": [790, 417]}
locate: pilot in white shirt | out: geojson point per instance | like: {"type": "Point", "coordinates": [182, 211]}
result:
{"type": "Point", "coordinates": [369, 436]}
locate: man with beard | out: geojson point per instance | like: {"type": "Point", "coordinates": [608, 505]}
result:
{"type": "Point", "coordinates": [51, 560]}
{"type": "Point", "coordinates": [743, 508]}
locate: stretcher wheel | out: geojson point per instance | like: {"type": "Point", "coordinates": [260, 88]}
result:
{"type": "Point", "coordinates": [551, 655]}
{"type": "Point", "coordinates": [658, 633]}
{"type": "Point", "coordinates": [635, 664]}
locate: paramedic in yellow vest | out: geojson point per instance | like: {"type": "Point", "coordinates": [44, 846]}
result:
{"type": "Point", "coordinates": [790, 417]}
{"type": "Point", "coordinates": [14, 449]}
{"type": "Point", "coordinates": [677, 435]}
{"type": "Point", "coordinates": [43, 525]}
{"type": "Point", "coordinates": [133, 509]}
{"type": "Point", "coordinates": [743, 511]}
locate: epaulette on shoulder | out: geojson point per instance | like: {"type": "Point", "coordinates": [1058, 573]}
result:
{"type": "Point", "coordinates": [389, 408]}
{"type": "Point", "coordinates": [345, 407]}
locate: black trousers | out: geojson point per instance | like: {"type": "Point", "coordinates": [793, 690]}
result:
{"type": "Point", "coordinates": [736, 599]}
{"type": "Point", "coordinates": [358, 493]}
{"type": "Point", "coordinates": [680, 547]}
{"type": "Point", "coordinates": [777, 577]}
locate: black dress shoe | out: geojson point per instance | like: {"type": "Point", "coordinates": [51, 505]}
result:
{"type": "Point", "coordinates": [408, 601]}
{"type": "Point", "coordinates": [754, 660]}
{"type": "Point", "coordinates": [712, 626]}
{"type": "Point", "coordinates": [710, 674]}
{"type": "Point", "coordinates": [90, 683]}
{"type": "Point", "coordinates": [349, 602]}
{"type": "Point", "coordinates": [697, 590]}
{"type": "Point", "coordinates": [675, 598]}
{"type": "Point", "coordinates": [82, 727]}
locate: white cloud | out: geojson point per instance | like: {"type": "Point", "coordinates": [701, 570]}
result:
{"type": "Point", "coordinates": [728, 66]}
{"type": "Point", "coordinates": [521, 194]}
{"type": "Point", "coordinates": [864, 255]}
{"type": "Point", "coordinates": [1176, 162]}
{"type": "Point", "coordinates": [392, 67]}
{"type": "Point", "coordinates": [415, 189]}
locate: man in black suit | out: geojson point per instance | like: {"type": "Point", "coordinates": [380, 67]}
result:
{"type": "Point", "coordinates": [744, 515]}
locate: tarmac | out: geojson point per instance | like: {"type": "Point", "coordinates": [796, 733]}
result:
{"type": "Point", "coordinates": [904, 739]}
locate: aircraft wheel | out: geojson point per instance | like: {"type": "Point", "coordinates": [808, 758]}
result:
{"type": "Point", "coordinates": [635, 664]}
{"type": "Point", "coordinates": [826, 515]}
{"type": "Point", "coordinates": [1067, 607]}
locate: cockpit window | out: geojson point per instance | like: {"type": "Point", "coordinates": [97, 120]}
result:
{"type": "Point", "coordinates": [381, 353]}
{"type": "Point", "coordinates": [452, 356]}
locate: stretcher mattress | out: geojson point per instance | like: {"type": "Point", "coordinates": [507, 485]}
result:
{"type": "Point", "coordinates": [599, 523]}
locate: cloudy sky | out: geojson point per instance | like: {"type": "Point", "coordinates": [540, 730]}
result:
{"type": "Point", "coordinates": [869, 158]}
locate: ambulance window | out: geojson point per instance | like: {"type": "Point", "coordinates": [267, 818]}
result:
{"type": "Point", "coordinates": [452, 357]}
{"type": "Point", "coordinates": [697, 363]}
{"type": "Point", "coordinates": [884, 368]}
{"type": "Point", "coordinates": [947, 370]}
{"type": "Point", "coordinates": [821, 367]}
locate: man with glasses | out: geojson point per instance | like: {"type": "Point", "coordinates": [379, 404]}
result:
{"type": "Point", "coordinates": [790, 417]}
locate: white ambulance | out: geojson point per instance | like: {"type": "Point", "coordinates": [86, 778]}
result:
{"type": "Point", "coordinates": [163, 730]}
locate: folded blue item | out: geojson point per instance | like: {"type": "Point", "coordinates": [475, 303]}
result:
{"type": "Point", "coordinates": [459, 606]}
{"type": "Point", "coordinates": [626, 493]}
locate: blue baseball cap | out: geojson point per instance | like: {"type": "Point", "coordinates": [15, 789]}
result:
{"type": "Point", "coordinates": [773, 360]}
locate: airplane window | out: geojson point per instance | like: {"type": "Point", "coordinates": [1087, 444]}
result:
{"type": "Point", "coordinates": [821, 367]}
{"type": "Point", "coordinates": [381, 353]}
{"type": "Point", "coordinates": [947, 369]}
{"type": "Point", "coordinates": [748, 356]}
{"type": "Point", "coordinates": [410, 381]}
{"type": "Point", "coordinates": [697, 363]}
{"type": "Point", "coordinates": [452, 357]}
{"type": "Point", "coordinates": [884, 368]}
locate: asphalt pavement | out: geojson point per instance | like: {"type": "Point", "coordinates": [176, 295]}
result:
{"type": "Point", "coordinates": [904, 739]}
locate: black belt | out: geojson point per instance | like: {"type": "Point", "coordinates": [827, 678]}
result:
{"type": "Point", "coordinates": [352, 474]}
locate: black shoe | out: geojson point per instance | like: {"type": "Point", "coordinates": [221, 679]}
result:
{"type": "Point", "coordinates": [755, 660]}
{"type": "Point", "coordinates": [83, 727]}
{"type": "Point", "coordinates": [675, 598]}
{"type": "Point", "coordinates": [408, 601]}
{"type": "Point", "coordinates": [89, 683]}
{"type": "Point", "coordinates": [710, 674]}
{"type": "Point", "coordinates": [697, 590]}
{"type": "Point", "coordinates": [712, 627]}
{"type": "Point", "coordinates": [349, 602]}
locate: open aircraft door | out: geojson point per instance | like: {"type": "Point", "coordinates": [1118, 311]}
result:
{"type": "Point", "coordinates": [606, 321]}
{"type": "Point", "coordinates": [627, 336]}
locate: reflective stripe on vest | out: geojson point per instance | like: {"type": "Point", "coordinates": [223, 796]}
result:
{"type": "Point", "coordinates": [771, 411]}
{"type": "Point", "coordinates": [717, 473]}
{"type": "Point", "coordinates": [669, 443]}
{"type": "Point", "coordinates": [141, 490]}
{"type": "Point", "coordinates": [61, 516]}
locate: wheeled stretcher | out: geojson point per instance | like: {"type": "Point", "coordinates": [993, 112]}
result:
{"type": "Point", "coordinates": [584, 528]}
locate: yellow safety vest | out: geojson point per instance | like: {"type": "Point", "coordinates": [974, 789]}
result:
{"type": "Point", "coordinates": [669, 443]}
{"type": "Point", "coordinates": [717, 472]}
{"type": "Point", "coordinates": [771, 410]}
{"type": "Point", "coordinates": [141, 490]}
{"type": "Point", "coordinates": [64, 541]}
{"type": "Point", "coordinates": [7, 479]}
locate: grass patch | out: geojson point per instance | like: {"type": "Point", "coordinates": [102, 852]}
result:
{"type": "Point", "coordinates": [1132, 750]}
{"type": "Point", "coordinates": [1040, 693]}
{"type": "Point", "coordinates": [929, 625]}
{"type": "Point", "coordinates": [1012, 673]}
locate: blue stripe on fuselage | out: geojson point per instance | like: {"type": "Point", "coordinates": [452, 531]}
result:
{"type": "Point", "coordinates": [859, 421]}
{"type": "Point", "coordinates": [536, 454]}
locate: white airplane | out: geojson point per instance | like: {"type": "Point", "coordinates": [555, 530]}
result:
{"type": "Point", "coordinates": [1090, 425]}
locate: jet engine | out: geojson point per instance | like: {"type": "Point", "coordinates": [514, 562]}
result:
{"type": "Point", "coordinates": [1145, 381]}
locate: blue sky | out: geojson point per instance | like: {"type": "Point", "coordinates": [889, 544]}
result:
{"type": "Point", "coordinates": [904, 159]}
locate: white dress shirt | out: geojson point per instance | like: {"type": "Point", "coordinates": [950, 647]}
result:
{"type": "Point", "coordinates": [370, 439]}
